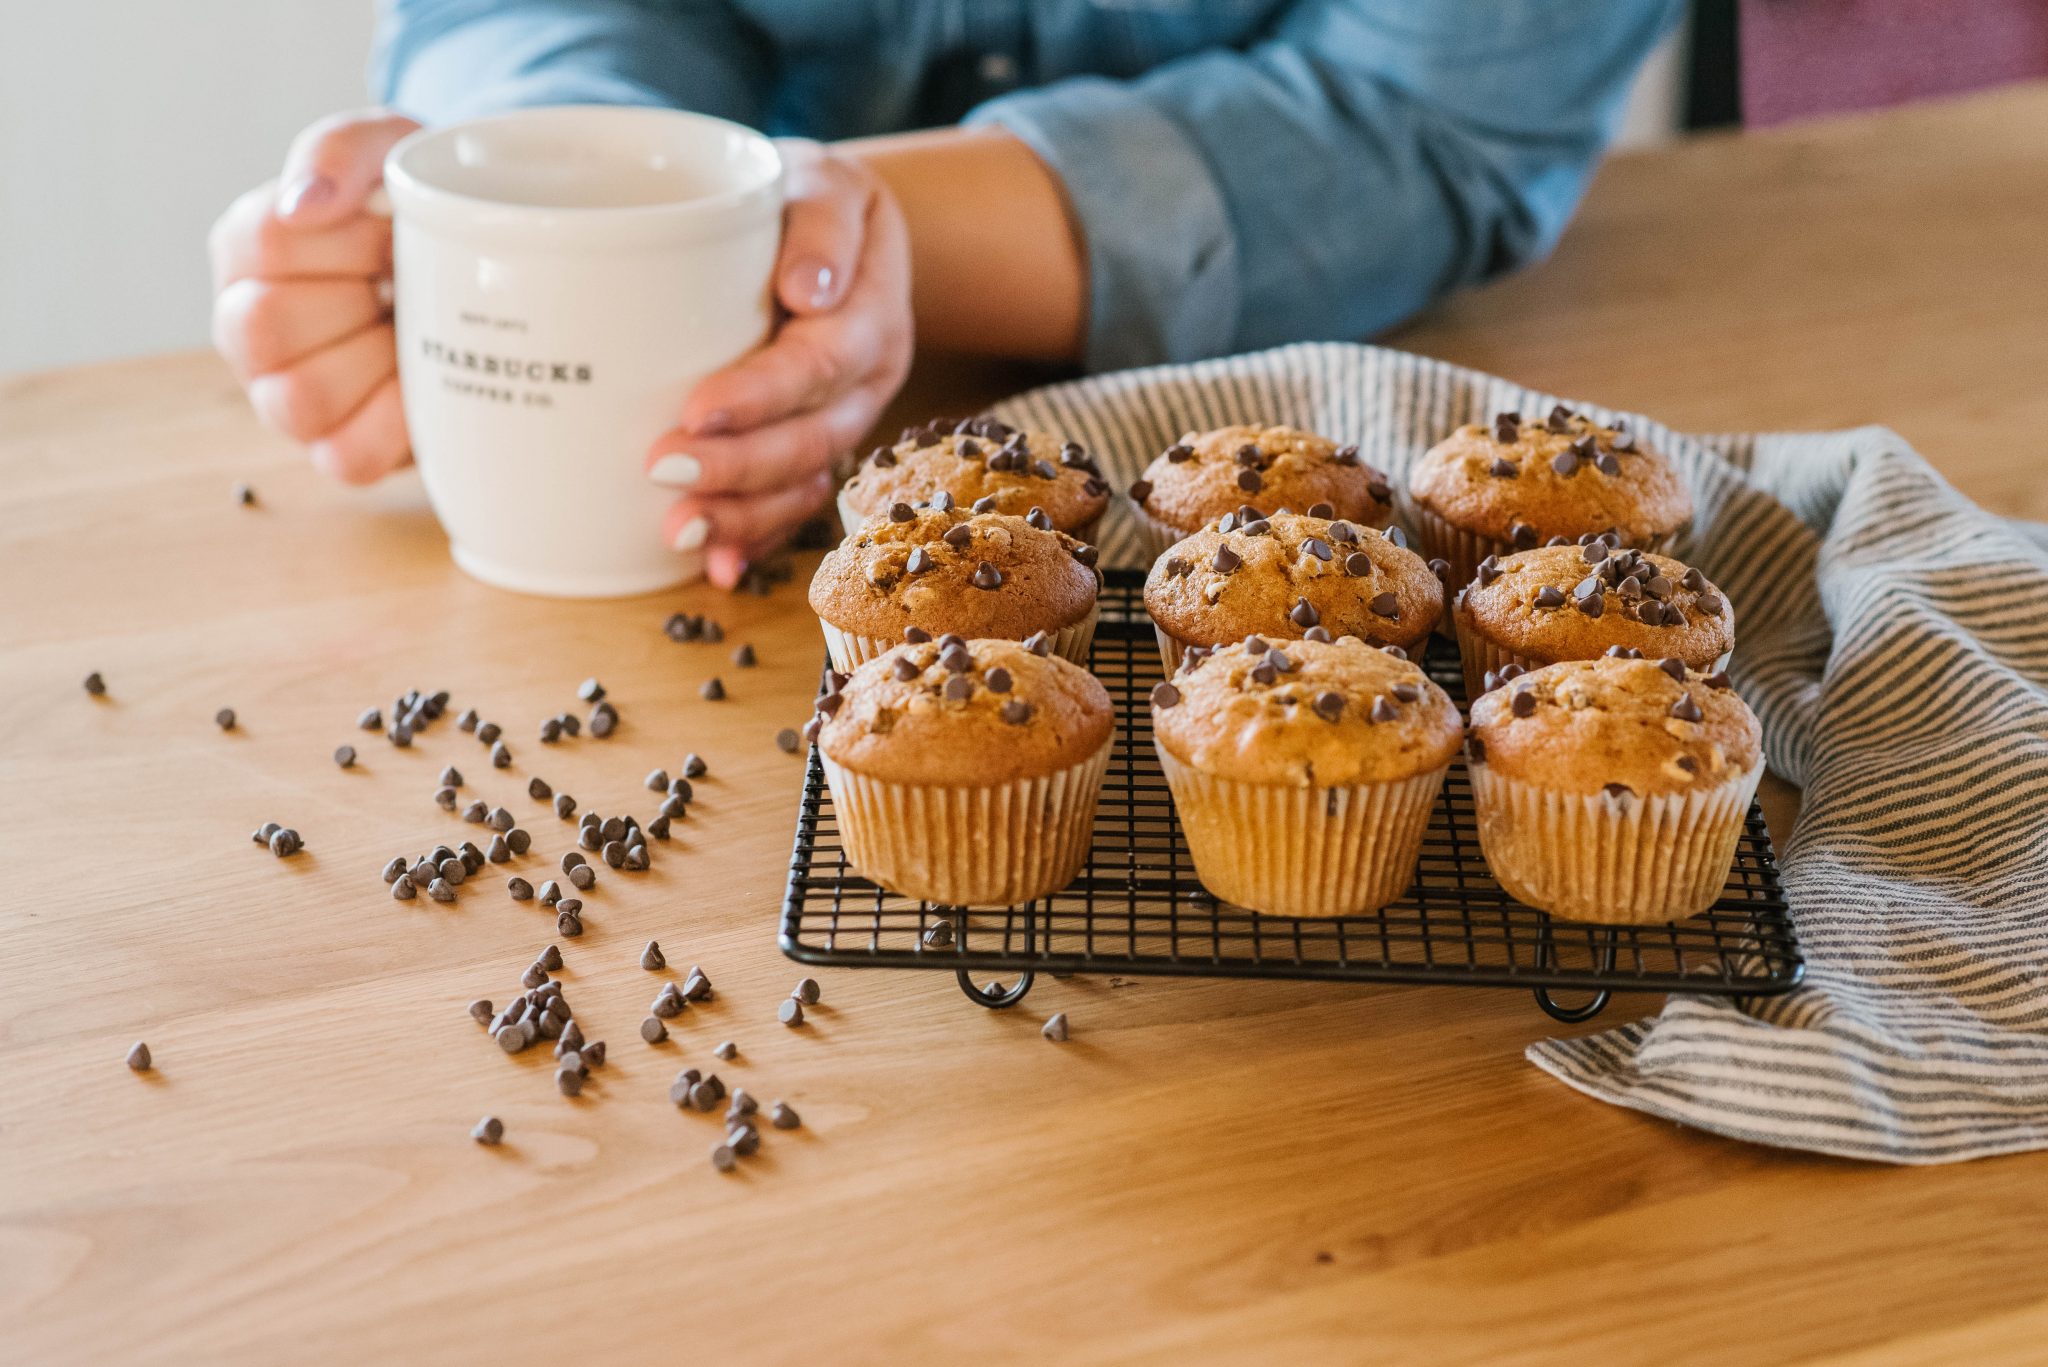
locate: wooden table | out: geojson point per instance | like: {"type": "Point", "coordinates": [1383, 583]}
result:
{"type": "Point", "coordinates": [1247, 1171]}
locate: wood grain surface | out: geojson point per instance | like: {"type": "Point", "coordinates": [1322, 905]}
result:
{"type": "Point", "coordinates": [1254, 1172]}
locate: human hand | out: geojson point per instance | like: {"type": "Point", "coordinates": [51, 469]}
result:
{"type": "Point", "coordinates": [754, 446]}
{"type": "Point", "coordinates": [301, 310]}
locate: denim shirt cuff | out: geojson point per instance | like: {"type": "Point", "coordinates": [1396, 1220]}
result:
{"type": "Point", "coordinates": [1162, 259]}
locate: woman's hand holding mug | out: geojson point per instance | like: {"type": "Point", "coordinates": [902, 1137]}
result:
{"type": "Point", "coordinates": [302, 313]}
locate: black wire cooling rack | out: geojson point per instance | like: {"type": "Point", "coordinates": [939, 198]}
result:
{"type": "Point", "coordinates": [1136, 907]}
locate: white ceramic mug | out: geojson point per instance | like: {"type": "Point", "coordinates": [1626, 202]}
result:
{"type": "Point", "coordinates": [562, 278]}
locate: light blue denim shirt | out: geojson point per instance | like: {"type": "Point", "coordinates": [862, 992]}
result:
{"type": "Point", "coordinates": [1245, 172]}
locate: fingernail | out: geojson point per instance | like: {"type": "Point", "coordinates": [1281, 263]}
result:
{"type": "Point", "coordinates": [307, 192]}
{"type": "Point", "coordinates": [677, 471]}
{"type": "Point", "coordinates": [714, 423]}
{"type": "Point", "coordinates": [814, 280]}
{"type": "Point", "coordinates": [691, 534]}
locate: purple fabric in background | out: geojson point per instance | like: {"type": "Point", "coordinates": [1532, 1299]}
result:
{"type": "Point", "coordinates": [1802, 58]}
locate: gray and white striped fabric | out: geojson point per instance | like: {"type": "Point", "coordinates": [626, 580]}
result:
{"type": "Point", "coordinates": [1893, 638]}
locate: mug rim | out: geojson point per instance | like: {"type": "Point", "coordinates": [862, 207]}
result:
{"type": "Point", "coordinates": [411, 189]}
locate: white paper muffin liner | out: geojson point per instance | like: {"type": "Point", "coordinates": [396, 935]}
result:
{"type": "Point", "coordinates": [1289, 851]}
{"type": "Point", "coordinates": [1477, 655]}
{"type": "Point", "coordinates": [1170, 650]}
{"type": "Point", "coordinates": [994, 846]}
{"type": "Point", "coordinates": [1614, 861]}
{"type": "Point", "coordinates": [849, 651]}
{"type": "Point", "coordinates": [1155, 538]}
{"type": "Point", "coordinates": [850, 521]}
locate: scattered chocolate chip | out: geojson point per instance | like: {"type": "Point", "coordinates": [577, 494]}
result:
{"type": "Point", "coordinates": [500, 756]}
{"type": "Point", "coordinates": [369, 719]}
{"type": "Point", "coordinates": [1507, 428]}
{"type": "Point", "coordinates": [1386, 605]}
{"type": "Point", "coordinates": [499, 852]}
{"type": "Point", "coordinates": [1594, 603]}
{"type": "Point", "coordinates": [1226, 561]}
{"type": "Point", "coordinates": [441, 890]}
{"type": "Point", "coordinates": [938, 935]}
{"type": "Point", "coordinates": [807, 991]}
{"type": "Point", "coordinates": [1316, 547]}
{"type": "Point", "coordinates": [519, 888]}
{"type": "Point", "coordinates": [488, 1131]}
{"type": "Point", "coordinates": [1329, 706]}
{"type": "Point", "coordinates": [712, 690]}
{"type": "Point", "coordinates": [653, 1031]}
{"type": "Point", "coordinates": [726, 1050]}
{"type": "Point", "coordinates": [1685, 709]}
{"type": "Point", "coordinates": [1650, 612]}
{"type": "Point", "coordinates": [694, 765]}
{"type": "Point", "coordinates": [403, 889]}
{"type": "Point", "coordinates": [1303, 613]}
{"type": "Point", "coordinates": [583, 877]}
{"type": "Point", "coordinates": [1565, 462]}
{"type": "Point", "coordinates": [791, 1012]}
{"type": "Point", "coordinates": [1358, 565]}
{"type": "Point", "coordinates": [1548, 597]}
{"type": "Point", "coordinates": [139, 1059]}
{"type": "Point", "coordinates": [474, 813]}
{"type": "Point", "coordinates": [225, 719]}
{"type": "Point", "coordinates": [1055, 1029]}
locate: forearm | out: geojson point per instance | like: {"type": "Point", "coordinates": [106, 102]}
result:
{"type": "Point", "coordinates": [997, 264]}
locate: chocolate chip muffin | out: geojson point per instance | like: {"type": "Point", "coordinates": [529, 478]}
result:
{"type": "Point", "coordinates": [1303, 773]}
{"type": "Point", "coordinates": [983, 465]}
{"type": "Point", "coordinates": [965, 772]}
{"type": "Point", "coordinates": [1515, 485]}
{"type": "Point", "coordinates": [915, 573]}
{"type": "Point", "coordinates": [1535, 608]}
{"type": "Point", "coordinates": [1613, 790]}
{"type": "Point", "coordinates": [1207, 474]}
{"type": "Point", "coordinates": [1290, 577]}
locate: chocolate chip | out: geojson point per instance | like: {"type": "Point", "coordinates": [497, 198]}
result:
{"type": "Point", "coordinates": [1303, 613]}
{"type": "Point", "coordinates": [1507, 428]}
{"type": "Point", "coordinates": [1087, 554]}
{"type": "Point", "coordinates": [488, 1131]}
{"type": "Point", "coordinates": [1345, 455]}
{"type": "Point", "coordinates": [1565, 462]}
{"type": "Point", "coordinates": [1037, 518]}
{"type": "Point", "coordinates": [694, 765]}
{"type": "Point", "coordinates": [1618, 790]}
{"type": "Point", "coordinates": [954, 659]}
{"type": "Point", "coordinates": [1038, 643]}
{"type": "Point", "coordinates": [959, 537]}
{"type": "Point", "coordinates": [1317, 547]}
{"type": "Point", "coordinates": [1685, 709]}
{"type": "Point", "coordinates": [501, 757]}
{"type": "Point", "coordinates": [1548, 597]}
{"type": "Point", "coordinates": [1279, 660]}
{"type": "Point", "coordinates": [1249, 481]}
{"type": "Point", "coordinates": [369, 719]}
{"type": "Point", "coordinates": [1522, 702]}
{"type": "Point", "coordinates": [959, 688]}
{"type": "Point", "coordinates": [1606, 464]}
{"type": "Point", "coordinates": [1489, 570]}
{"type": "Point", "coordinates": [1165, 694]}
{"type": "Point", "coordinates": [1386, 605]}
{"type": "Point", "coordinates": [1141, 490]}
{"type": "Point", "coordinates": [1316, 634]}
{"type": "Point", "coordinates": [1593, 604]}
{"type": "Point", "coordinates": [1226, 561]}
{"type": "Point", "coordinates": [998, 680]}
{"type": "Point", "coordinates": [440, 890]}
{"type": "Point", "coordinates": [791, 1012]}
{"type": "Point", "coordinates": [806, 991]}
{"type": "Point", "coordinates": [1523, 536]}
{"type": "Point", "coordinates": [1674, 667]}
{"type": "Point", "coordinates": [550, 893]}
{"type": "Point", "coordinates": [1016, 712]}
{"type": "Point", "coordinates": [1384, 711]}
{"type": "Point", "coordinates": [583, 877]}
{"type": "Point", "coordinates": [1055, 1029]}
{"type": "Point", "coordinates": [902, 512]}
{"type": "Point", "coordinates": [1710, 603]}
{"type": "Point", "coordinates": [1718, 680]}
{"type": "Point", "coordinates": [1650, 613]}
{"type": "Point", "coordinates": [942, 501]}
{"type": "Point", "coordinates": [1503, 468]}
{"type": "Point", "coordinates": [653, 1031]}
{"type": "Point", "coordinates": [712, 689]}
{"type": "Point", "coordinates": [1559, 541]}
{"type": "Point", "coordinates": [1358, 565]}
{"type": "Point", "coordinates": [1657, 586]}
{"type": "Point", "coordinates": [1560, 419]}
{"type": "Point", "coordinates": [1329, 706]}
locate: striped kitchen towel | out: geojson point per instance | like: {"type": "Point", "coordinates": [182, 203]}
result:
{"type": "Point", "coordinates": [1894, 640]}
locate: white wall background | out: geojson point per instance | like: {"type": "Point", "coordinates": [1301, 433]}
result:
{"type": "Point", "coordinates": [126, 126]}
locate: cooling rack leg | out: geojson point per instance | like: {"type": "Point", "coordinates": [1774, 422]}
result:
{"type": "Point", "coordinates": [1571, 1015]}
{"type": "Point", "coordinates": [995, 997]}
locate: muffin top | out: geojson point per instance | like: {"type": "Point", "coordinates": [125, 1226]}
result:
{"type": "Point", "coordinates": [1290, 575]}
{"type": "Point", "coordinates": [964, 714]}
{"type": "Point", "coordinates": [1205, 475]}
{"type": "Point", "coordinates": [979, 459]}
{"type": "Point", "coordinates": [1526, 482]}
{"type": "Point", "coordinates": [1587, 726]}
{"type": "Point", "coordinates": [945, 569]}
{"type": "Point", "coordinates": [1575, 602]}
{"type": "Point", "coordinates": [1320, 714]}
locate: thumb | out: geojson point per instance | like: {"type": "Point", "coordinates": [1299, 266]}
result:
{"type": "Point", "coordinates": [335, 164]}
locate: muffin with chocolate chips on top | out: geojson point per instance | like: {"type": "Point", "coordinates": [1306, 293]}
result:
{"type": "Point", "coordinates": [1207, 474]}
{"type": "Point", "coordinates": [966, 772]}
{"type": "Point", "coordinates": [1290, 577]}
{"type": "Point", "coordinates": [1534, 608]}
{"type": "Point", "coordinates": [984, 465]}
{"type": "Point", "coordinates": [1304, 772]}
{"type": "Point", "coordinates": [915, 573]}
{"type": "Point", "coordinates": [1613, 790]}
{"type": "Point", "coordinates": [1512, 486]}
